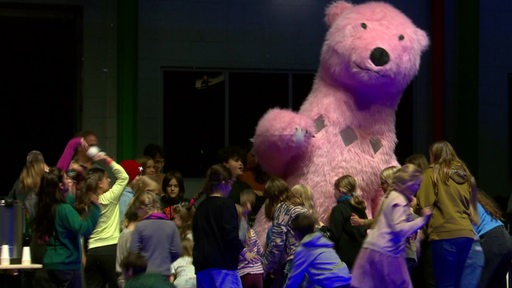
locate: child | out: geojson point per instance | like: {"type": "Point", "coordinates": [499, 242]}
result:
{"type": "Point", "coordinates": [412, 243]}
{"type": "Point", "coordinates": [155, 236]}
{"type": "Point", "coordinates": [386, 178]}
{"type": "Point", "coordinates": [231, 157]}
{"type": "Point", "coordinates": [123, 246]}
{"type": "Point", "coordinates": [133, 169]}
{"type": "Point", "coordinates": [247, 200]}
{"type": "Point", "coordinates": [59, 226]}
{"type": "Point", "coordinates": [100, 267]}
{"type": "Point", "coordinates": [380, 262]}
{"type": "Point", "coordinates": [281, 207]}
{"type": "Point", "coordinates": [349, 238]}
{"type": "Point", "coordinates": [495, 244]}
{"type": "Point", "coordinates": [183, 273]}
{"type": "Point", "coordinates": [447, 187]}
{"type": "Point", "coordinates": [250, 268]}
{"type": "Point", "coordinates": [306, 194]}
{"type": "Point", "coordinates": [173, 188]}
{"type": "Point", "coordinates": [183, 215]}
{"type": "Point", "coordinates": [217, 246]}
{"type": "Point", "coordinates": [315, 261]}
{"type": "Point", "coordinates": [411, 250]}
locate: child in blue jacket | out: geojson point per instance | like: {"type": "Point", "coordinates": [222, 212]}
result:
{"type": "Point", "coordinates": [315, 262]}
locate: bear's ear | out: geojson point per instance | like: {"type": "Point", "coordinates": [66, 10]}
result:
{"type": "Point", "coordinates": [334, 10]}
{"type": "Point", "coordinates": [422, 39]}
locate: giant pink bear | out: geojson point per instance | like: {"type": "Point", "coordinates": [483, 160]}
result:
{"type": "Point", "coordinates": [346, 125]}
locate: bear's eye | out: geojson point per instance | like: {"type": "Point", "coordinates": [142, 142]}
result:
{"type": "Point", "coordinates": [401, 37]}
{"type": "Point", "coordinates": [364, 26]}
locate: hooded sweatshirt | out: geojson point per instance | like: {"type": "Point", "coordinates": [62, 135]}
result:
{"type": "Point", "coordinates": [451, 204]}
{"type": "Point", "coordinates": [316, 261]}
{"type": "Point", "coordinates": [394, 224]}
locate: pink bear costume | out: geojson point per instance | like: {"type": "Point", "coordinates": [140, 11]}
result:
{"type": "Point", "coordinates": [346, 125]}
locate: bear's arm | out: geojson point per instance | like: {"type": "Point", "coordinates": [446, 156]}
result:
{"type": "Point", "coordinates": [282, 137]}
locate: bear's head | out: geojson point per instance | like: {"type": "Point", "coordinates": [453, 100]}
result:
{"type": "Point", "coordinates": [371, 50]}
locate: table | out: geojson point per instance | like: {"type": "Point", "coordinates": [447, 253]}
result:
{"type": "Point", "coordinates": [12, 275]}
{"type": "Point", "coordinates": [21, 266]}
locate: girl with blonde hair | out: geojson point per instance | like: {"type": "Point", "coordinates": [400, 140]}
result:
{"type": "Point", "coordinates": [26, 186]}
{"type": "Point", "coordinates": [183, 216]}
{"type": "Point", "coordinates": [380, 262]}
{"type": "Point", "coordinates": [148, 184]}
{"type": "Point", "coordinates": [306, 194]}
{"type": "Point", "coordinates": [282, 206]}
{"type": "Point", "coordinates": [183, 272]}
{"type": "Point", "coordinates": [386, 178]}
{"type": "Point", "coordinates": [154, 236]}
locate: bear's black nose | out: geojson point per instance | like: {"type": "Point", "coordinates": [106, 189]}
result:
{"type": "Point", "coordinates": [379, 56]}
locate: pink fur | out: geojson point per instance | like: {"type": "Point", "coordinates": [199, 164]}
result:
{"type": "Point", "coordinates": [351, 93]}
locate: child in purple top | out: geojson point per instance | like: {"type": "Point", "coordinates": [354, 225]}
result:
{"type": "Point", "coordinates": [380, 262]}
{"type": "Point", "coordinates": [155, 236]}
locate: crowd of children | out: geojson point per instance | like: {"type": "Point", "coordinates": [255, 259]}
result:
{"type": "Point", "coordinates": [92, 231]}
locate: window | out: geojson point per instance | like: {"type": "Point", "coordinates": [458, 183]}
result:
{"type": "Point", "coordinates": [221, 108]}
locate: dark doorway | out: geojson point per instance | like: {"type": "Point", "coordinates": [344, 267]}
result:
{"type": "Point", "coordinates": [40, 81]}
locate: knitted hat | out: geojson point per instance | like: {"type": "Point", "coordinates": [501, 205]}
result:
{"type": "Point", "coordinates": [132, 168]}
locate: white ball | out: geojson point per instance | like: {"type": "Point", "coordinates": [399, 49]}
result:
{"type": "Point", "coordinates": [93, 150]}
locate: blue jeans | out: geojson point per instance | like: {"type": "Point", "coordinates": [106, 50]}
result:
{"type": "Point", "coordinates": [448, 259]}
{"type": "Point", "coordinates": [473, 267]}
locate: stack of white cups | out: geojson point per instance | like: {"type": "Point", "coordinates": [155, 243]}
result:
{"type": "Point", "coordinates": [6, 259]}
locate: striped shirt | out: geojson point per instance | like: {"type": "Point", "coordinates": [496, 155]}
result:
{"type": "Point", "coordinates": [282, 243]}
{"type": "Point", "coordinates": [252, 245]}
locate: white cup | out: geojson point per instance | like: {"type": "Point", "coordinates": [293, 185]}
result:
{"type": "Point", "coordinates": [5, 258]}
{"type": "Point", "coordinates": [25, 256]}
{"type": "Point", "coordinates": [92, 151]}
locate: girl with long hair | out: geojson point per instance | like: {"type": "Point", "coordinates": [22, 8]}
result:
{"type": "Point", "coordinates": [215, 230]}
{"type": "Point", "coordinates": [380, 262]}
{"type": "Point", "coordinates": [281, 207]}
{"type": "Point", "coordinates": [60, 226]}
{"type": "Point", "coordinates": [448, 187]}
{"type": "Point", "coordinates": [349, 238]}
